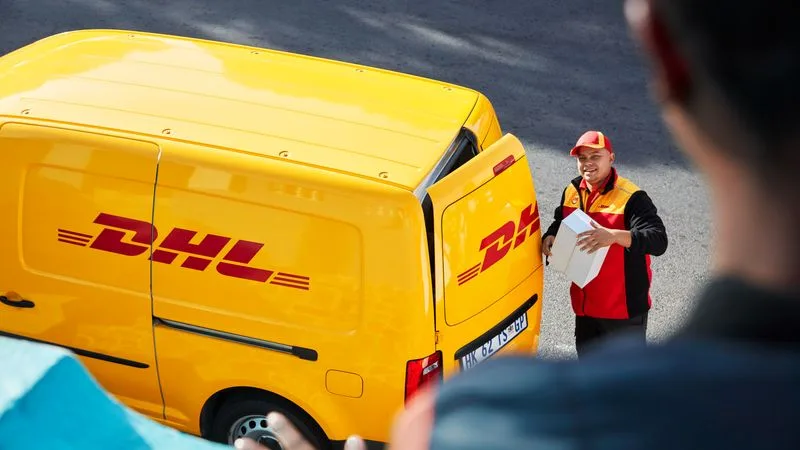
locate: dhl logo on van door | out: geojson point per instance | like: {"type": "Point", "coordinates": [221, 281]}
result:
{"type": "Point", "coordinates": [235, 263]}
{"type": "Point", "coordinates": [502, 240]}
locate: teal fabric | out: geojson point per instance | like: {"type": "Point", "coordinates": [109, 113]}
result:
{"type": "Point", "coordinates": [49, 401]}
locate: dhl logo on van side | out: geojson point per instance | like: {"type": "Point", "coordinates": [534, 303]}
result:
{"type": "Point", "coordinates": [498, 243]}
{"type": "Point", "coordinates": [199, 256]}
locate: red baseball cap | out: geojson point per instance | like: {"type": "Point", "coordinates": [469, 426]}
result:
{"type": "Point", "coordinates": [592, 139]}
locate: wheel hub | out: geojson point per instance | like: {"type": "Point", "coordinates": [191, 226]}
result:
{"type": "Point", "coordinates": [246, 425]}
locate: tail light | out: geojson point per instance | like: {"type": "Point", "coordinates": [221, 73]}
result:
{"type": "Point", "coordinates": [420, 372]}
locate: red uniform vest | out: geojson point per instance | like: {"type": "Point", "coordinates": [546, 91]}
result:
{"type": "Point", "coordinates": [604, 297]}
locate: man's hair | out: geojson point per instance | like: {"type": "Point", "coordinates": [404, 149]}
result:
{"type": "Point", "coordinates": [745, 54]}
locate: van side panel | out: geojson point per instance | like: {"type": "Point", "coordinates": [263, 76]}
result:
{"type": "Point", "coordinates": [287, 256]}
{"type": "Point", "coordinates": [75, 242]}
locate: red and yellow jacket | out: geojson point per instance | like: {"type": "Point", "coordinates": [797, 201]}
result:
{"type": "Point", "coordinates": [622, 288]}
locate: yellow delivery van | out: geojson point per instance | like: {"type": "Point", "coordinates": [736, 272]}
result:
{"type": "Point", "coordinates": [220, 231]}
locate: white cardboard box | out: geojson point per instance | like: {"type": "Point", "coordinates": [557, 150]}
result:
{"type": "Point", "coordinates": [580, 267]}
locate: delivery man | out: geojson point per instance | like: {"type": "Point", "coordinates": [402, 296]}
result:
{"type": "Point", "coordinates": [626, 221]}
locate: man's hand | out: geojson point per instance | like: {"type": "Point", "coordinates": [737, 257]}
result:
{"type": "Point", "coordinates": [290, 438]}
{"type": "Point", "coordinates": [547, 245]}
{"type": "Point", "coordinates": [599, 237]}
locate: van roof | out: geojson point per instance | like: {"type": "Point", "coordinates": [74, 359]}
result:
{"type": "Point", "coordinates": [349, 118]}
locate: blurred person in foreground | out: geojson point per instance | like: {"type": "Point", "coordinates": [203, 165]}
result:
{"type": "Point", "coordinates": [625, 220]}
{"type": "Point", "coordinates": [726, 75]}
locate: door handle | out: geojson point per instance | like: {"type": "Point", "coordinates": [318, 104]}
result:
{"type": "Point", "coordinates": [22, 303]}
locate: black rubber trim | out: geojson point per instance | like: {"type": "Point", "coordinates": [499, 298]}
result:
{"type": "Point", "coordinates": [81, 352]}
{"type": "Point", "coordinates": [497, 328]}
{"type": "Point", "coordinates": [300, 352]}
{"type": "Point", "coordinates": [371, 445]}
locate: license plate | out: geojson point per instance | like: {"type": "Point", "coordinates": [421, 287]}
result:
{"type": "Point", "coordinates": [493, 345]}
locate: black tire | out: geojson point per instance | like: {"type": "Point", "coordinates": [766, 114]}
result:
{"type": "Point", "coordinates": [239, 406]}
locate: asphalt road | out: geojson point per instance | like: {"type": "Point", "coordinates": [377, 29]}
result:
{"type": "Point", "coordinates": [553, 68]}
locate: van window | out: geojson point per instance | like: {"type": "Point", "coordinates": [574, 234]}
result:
{"type": "Point", "coordinates": [466, 148]}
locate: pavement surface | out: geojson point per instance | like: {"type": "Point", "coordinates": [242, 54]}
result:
{"type": "Point", "coordinates": [552, 68]}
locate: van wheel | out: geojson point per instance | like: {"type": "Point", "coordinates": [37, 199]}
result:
{"type": "Point", "coordinates": [242, 414]}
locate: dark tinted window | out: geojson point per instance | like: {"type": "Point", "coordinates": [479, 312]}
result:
{"type": "Point", "coordinates": [467, 149]}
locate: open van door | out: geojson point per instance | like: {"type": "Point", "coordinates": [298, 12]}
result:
{"type": "Point", "coordinates": [487, 257]}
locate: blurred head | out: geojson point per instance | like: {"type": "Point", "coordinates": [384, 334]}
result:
{"type": "Point", "coordinates": [727, 75]}
{"type": "Point", "coordinates": [594, 155]}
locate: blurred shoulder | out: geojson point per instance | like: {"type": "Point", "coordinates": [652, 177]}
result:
{"type": "Point", "coordinates": [622, 396]}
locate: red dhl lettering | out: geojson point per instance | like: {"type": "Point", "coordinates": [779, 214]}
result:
{"type": "Point", "coordinates": [178, 245]}
{"type": "Point", "coordinates": [505, 238]}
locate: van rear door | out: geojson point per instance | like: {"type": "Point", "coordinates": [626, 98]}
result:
{"type": "Point", "coordinates": [487, 257]}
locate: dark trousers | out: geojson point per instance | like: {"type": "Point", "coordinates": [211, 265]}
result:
{"type": "Point", "coordinates": [591, 330]}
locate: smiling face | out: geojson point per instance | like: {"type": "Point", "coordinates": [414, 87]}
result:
{"type": "Point", "coordinates": [594, 164]}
